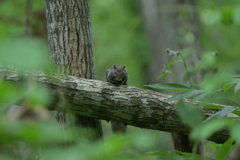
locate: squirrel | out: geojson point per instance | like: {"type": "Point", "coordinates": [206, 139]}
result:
{"type": "Point", "coordinates": [117, 75]}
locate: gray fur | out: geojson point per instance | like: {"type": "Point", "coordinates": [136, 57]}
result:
{"type": "Point", "coordinates": [117, 75]}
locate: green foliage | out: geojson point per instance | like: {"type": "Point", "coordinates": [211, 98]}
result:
{"type": "Point", "coordinates": [235, 130]}
{"type": "Point", "coordinates": [213, 82]}
{"type": "Point", "coordinates": [204, 131]}
{"type": "Point", "coordinates": [184, 95]}
{"type": "Point", "coordinates": [220, 23]}
{"type": "Point", "coordinates": [119, 38]}
{"type": "Point", "coordinates": [173, 156]}
{"type": "Point", "coordinates": [170, 87]}
{"type": "Point", "coordinates": [25, 53]}
{"type": "Point", "coordinates": [221, 113]}
{"type": "Point", "coordinates": [155, 143]}
{"type": "Point", "coordinates": [41, 136]}
{"type": "Point", "coordinates": [221, 86]}
{"type": "Point", "coordinates": [118, 32]}
{"type": "Point", "coordinates": [8, 92]}
{"type": "Point", "coordinates": [190, 116]}
{"type": "Point", "coordinates": [225, 149]}
{"type": "Point", "coordinates": [213, 106]}
{"type": "Point", "coordinates": [199, 97]}
{"type": "Point", "coordinates": [213, 146]}
{"type": "Point", "coordinates": [166, 70]}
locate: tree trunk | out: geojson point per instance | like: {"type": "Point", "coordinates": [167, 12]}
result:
{"type": "Point", "coordinates": [181, 26]}
{"type": "Point", "coordinates": [155, 32]}
{"type": "Point", "coordinates": [166, 28]}
{"type": "Point", "coordinates": [71, 47]}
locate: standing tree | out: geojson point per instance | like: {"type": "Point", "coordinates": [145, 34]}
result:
{"type": "Point", "coordinates": [167, 23]}
{"type": "Point", "coordinates": [71, 47]}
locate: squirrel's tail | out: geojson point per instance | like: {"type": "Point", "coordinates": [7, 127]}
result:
{"type": "Point", "coordinates": [118, 127]}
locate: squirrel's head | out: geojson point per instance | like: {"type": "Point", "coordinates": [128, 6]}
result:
{"type": "Point", "coordinates": [119, 72]}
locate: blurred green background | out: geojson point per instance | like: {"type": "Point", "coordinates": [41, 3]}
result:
{"type": "Point", "coordinates": [121, 36]}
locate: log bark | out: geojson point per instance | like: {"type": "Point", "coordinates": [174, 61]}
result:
{"type": "Point", "coordinates": [126, 104]}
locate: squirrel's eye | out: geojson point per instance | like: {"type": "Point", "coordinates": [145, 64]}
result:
{"type": "Point", "coordinates": [115, 73]}
{"type": "Point", "coordinates": [123, 73]}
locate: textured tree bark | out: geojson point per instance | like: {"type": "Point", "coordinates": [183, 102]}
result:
{"type": "Point", "coordinates": [179, 27]}
{"type": "Point", "coordinates": [126, 104]}
{"type": "Point", "coordinates": [71, 46]}
{"type": "Point", "coordinates": [167, 28]}
{"type": "Point", "coordinates": [70, 37]}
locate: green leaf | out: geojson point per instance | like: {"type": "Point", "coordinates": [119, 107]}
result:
{"type": "Point", "coordinates": [162, 75]}
{"type": "Point", "coordinates": [165, 154]}
{"type": "Point", "coordinates": [205, 130]}
{"type": "Point", "coordinates": [212, 82]}
{"type": "Point", "coordinates": [193, 156]}
{"type": "Point", "coordinates": [227, 86]}
{"type": "Point", "coordinates": [213, 146]}
{"type": "Point", "coordinates": [198, 97]}
{"type": "Point", "coordinates": [189, 115]}
{"type": "Point", "coordinates": [213, 106]}
{"type": "Point", "coordinates": [234, 101]}
{"type": "Point", "coordinates": [236, 112]}
{"type": "Point", "coordinates": [170, 87]}
{"type": "Point", "coordinates": [225, 149]}
{"type": "Point", "coordinates": [221, 113]}
{"type": "Point", "coordinates": [207, 147]}
{"type": "Point", "coordinates": [227, 15]}
{"type": "Point", "coordinates": [236, 88]}
{"type": "Point", "coordinates": [156, 139]}
{"type": "Point", "coordinates": [184, 95]}
{"type": "Point", "coordinates": [235, 130]}
{"type": "Point", "coordinates": [172, 63]}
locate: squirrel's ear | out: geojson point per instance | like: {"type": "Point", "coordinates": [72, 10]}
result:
{"type": "Point", "coordinates": [114, 67]}
{"type": "Point", "coordinates": [124, 66]}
